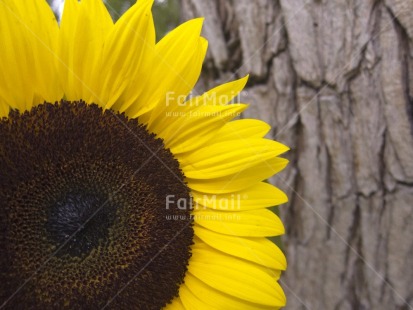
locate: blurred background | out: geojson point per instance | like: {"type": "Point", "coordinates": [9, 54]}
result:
{"type": "Point", "coordinates": [335, 81]}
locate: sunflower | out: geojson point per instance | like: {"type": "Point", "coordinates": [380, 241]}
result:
{"type": "Point", "coordinates": [117, 189]}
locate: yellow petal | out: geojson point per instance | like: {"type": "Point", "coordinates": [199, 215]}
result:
{"type": "Point", "coordinates": [240, 180]}
{"type": "Point", "coordinates": [28, 48]}
{"type": "Point", "coordinates": [242, 129]}
{"type": "Point", "coordinates": [67, 49]}
{"type": "Point", "coordinates": [15, 88]}
{"type": "Point", "coordinates": [226, 158]}
{"type": "Point", "coordinates": [220, 95]}
{"type": "Point", "coordinates": [218, 299]}
{"type": "Point", "coordinates": [196, 121]}
{"type": "Point", "coordinates": [235, 277]}
{"type": "Point", "coordinates": [195, 128]}
{"type": "Point", "coordinates": [127, 54]}
{"type": "Point", "coordinates": [254, 223]}
{"type": "Point", "coordinates": [43, 36]}
{"type": "Point", "coordinates": [261, 195]}
{"type": "Point", "coordinates": [81, 41]}
{"type": "Point", "coordinates": [175, 69]}
{"type": "Point", "coordinates": [191, 301]}
{"type": "Point", "coordinates": [258, 250]}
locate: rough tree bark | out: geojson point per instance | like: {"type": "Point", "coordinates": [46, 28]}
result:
{"type": "Point", "coordinates": [334, 78]}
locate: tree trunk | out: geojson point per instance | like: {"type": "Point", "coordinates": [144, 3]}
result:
{"type": "Point", "coordinates": [334, 79]}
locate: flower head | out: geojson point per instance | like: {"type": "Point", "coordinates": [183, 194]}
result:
{"type": "Point", "coordinates": [118, 190]}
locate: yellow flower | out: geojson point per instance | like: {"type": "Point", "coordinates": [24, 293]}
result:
{"type": "Point", "coordinates": [117, 189]}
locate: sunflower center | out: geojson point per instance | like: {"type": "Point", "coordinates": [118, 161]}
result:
{"type": "Point", "coordinates": [79, 221]}
{"type": "Point", "coordinates": [86, 213]}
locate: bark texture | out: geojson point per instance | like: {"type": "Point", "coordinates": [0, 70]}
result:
{"type": "Point", "coordinates": [335, 80]}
